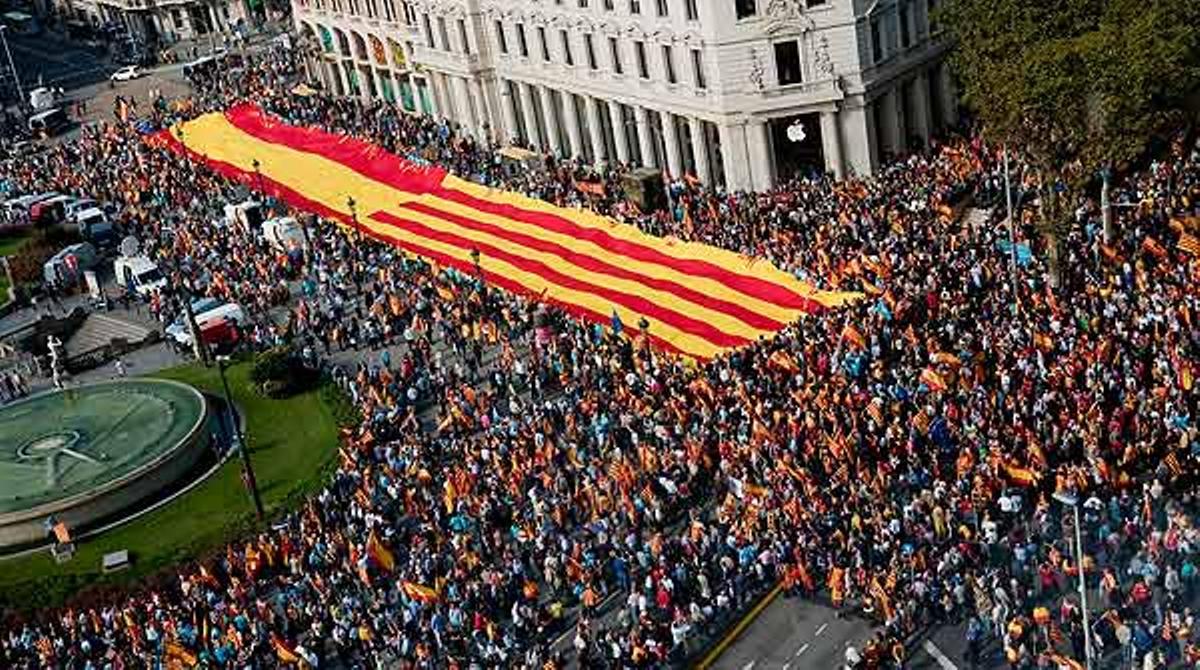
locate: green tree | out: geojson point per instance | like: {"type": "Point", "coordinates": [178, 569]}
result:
{"type": "Point", "coordinates": [1077, 86]}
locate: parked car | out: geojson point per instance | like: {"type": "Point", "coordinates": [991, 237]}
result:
{"type": "Point", "coordinates": [127, 73]}
{"type": "Point", "coordinates": [95, 227]}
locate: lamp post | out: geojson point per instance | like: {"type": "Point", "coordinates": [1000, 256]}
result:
{"type": "Point", "coordinates": [12, 66]}
{"type": "Point", "coordinates": [1073, 502]}
{"type": "Point", "coordinates": [1012, 237]}
{"type": "Point", "coordinates": [198, 346]}
{"type": "Point", "coordinates": [478, 268]}
{"type": "Point", "coordinates": [247, 469]}
{"type": "Point", "coordinates": [357, 239]}
{"type": "Point", "coordinates": [257, 172]}
{"type": "Point", "coordinates": [1110, 232]}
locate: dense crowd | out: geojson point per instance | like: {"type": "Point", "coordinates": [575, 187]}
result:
{"type": "Point", "coordinates": [519, 476]}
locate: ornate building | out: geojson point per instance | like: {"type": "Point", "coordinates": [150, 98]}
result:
{"type": "Point", "coordinates": [739, 92]}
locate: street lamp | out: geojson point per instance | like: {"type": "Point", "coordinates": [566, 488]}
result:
{"type": "Point", "coordinates": [186, 294]}
{"type": "Point", "coordinates": [357, 239]}
{"type": "Point", "coordinates": [478, 268]}
{"type": "Point", "coordinates": [1012, 238]}
{"type": "Point", "coordinates": [1073, 502]}
{"type": "Point", "coordinates": [12, 66]}
{"type": "Point", "coordinates": [247, 469]}
{"type": "Point", "coordinates": [257, 172]}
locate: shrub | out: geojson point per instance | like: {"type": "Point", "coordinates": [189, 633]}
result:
{"type": "Point", "coordinates": [280, 373]}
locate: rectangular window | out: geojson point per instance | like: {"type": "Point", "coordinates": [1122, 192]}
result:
{"type": "Point", "coordinates": [876, 42]}
{"type": "Point", "coordinates": [462, 36]}
{"type": "Point", "coordinates": [745, 8]}
{"type": "Point", "coordinates": [443, 33]}
{"type": "Point", "coordinates": [608, 5]}
{"type": "Point", "coordinates": [635, 6]}
{"type": "Point", "coordinates": [661, 6]}
{"type": "Point", "coordinates": [568, 57]}
{"type": "Point", "coordinates": [545, 44]}
{"type": "Point", "coordinates": [698, 69]}
{"type": "Point", "coordinates": [689, 10]}
{"type": "Point", "coordinates": [639, 48]}
{"type": "Point", "coordinates": [501, 38]}
{"type": "Point", "coordinates": [428, 30]}
{"type": "Point", "coordinates": [905, 37]}
{"type": "Point", "coordinates": [522, 45]}
{"type": "Point", "coordinates": [787, 62]}
{"type": "Point", "coordinates": [815, 3]}
{"type": "Point", "coordinates": [931, 14]}
{"type": "Point", "coordinates": [669, 63]}
{"type": "Point", "coordinates": [614, 50]}
{"type": "Point", "coordinates": [583, 4]}
{"type": "Point", "coordinates": [590, 49]}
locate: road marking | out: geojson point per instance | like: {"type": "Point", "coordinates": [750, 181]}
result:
{"type": "Point", "coordinates": [787, 666]}
{"type": "Point", "coordinates": [821, 629]}
{"type": "Point", "coordinates": [942, 660]}
{"type": "Point", "coordinates": [801, 650]}
{"type": "Point", "coordinates": [749, 666]}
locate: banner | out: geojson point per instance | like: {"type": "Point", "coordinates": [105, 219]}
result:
{"type": "Point", "coordinates": [699, 300]}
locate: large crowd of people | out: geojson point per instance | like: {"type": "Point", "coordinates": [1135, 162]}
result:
{"type": "Point", "coordinates": [521, 478]}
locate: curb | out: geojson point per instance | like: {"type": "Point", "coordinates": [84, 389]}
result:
{"type": "Point", "coordinates": [715, 653]}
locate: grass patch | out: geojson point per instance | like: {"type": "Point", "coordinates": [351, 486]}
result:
{"type": "Point", "coordinates": [293, 445]}
{"type": "Point", "coordinates": [13, 244]}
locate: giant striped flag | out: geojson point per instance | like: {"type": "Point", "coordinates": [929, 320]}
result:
{"type": "Point", "coordinates": [698, 300]}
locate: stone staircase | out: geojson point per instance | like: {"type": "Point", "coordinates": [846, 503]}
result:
{"type": "Point", "coordinates": [99, 330]}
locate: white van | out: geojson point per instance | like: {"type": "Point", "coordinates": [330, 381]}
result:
{"type": "Point", "coordinates": [248, 214]}
{"type": "Point", "coordinates": [139, 274]}
{"type": "Point", "coordinates": [284, 233]}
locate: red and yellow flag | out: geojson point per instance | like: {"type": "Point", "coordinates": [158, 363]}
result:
{"type": "Point", "coordinates": [698, 299]}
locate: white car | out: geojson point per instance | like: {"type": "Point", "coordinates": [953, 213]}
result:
{"type": "Point", "coordinates": [127, 73]}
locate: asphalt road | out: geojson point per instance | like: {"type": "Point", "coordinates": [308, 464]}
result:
{"type": "Point", "coordinates": [53, 61]}
{"type": "Point", "coordinates": [795, 634]}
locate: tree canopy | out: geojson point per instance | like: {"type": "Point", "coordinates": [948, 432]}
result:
{"type": "Point", "coordinates": [1075, 80]}
{"type": "Point", "coordinates": [1074, 85]}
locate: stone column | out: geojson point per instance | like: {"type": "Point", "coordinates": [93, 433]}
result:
{"type": "Point", "coordinates": [530, 115]}
{"type": "Point", "coordinates": [645, 141]}
{"type": "Point", "coordinates": [511, 131]}
{"type": "Point", "coordinates": [831, 144]}
{"type": "Point", "coordinates": [738, 172]}
{"type": "Point", "coordinates": [554, 138]}
{"type": "Point", "coordinates": [921, 110]}
{"type": "Point", "coordinates": [341, 69]}
{"type": "Point", "coordinates": [949, 96]}
{"type": "Point", "coordinates": [700, 149]}
{"type": "Point", "coordinates": [858, 129]}
{"type": "Point", "coordinates": [760, 155]}
{"type": "Point", "coordinates": [462, 101]}
{"type": "Point", "coordinates": [671, 140]}
{"type": "Point", "coordinates": [620, 136]}
{"type": "Point", "coordinates": [571, 120]}
{"type": "Point", "coordinates": [487, 122]}
{"type": "Point", "coordinates": [599, 151]}
{"type": "Point", "coordinates": [890, 111]}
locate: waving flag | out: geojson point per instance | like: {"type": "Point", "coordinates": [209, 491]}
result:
{"type": "Point", "coordinates": [699, 300]}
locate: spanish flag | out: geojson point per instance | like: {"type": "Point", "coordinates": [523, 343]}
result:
{"type": "Point", "coordinates": [932, 380]}
{"type": "Point", "coordinates": [419, 592]}
{"type": "Point", "coordinates": [700, 300]}
{"type": "Point", "coordinates": [283, 650]}
{"type": "Point", "coordinates": [380, 554]}
{"type": "Point", "coordinates": [854, 338]}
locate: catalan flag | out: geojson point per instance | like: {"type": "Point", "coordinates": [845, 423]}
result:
{"type": "Point", "coordinates": [1189, 243]}
{"type": "Point", "coordinates": [699, 300]}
